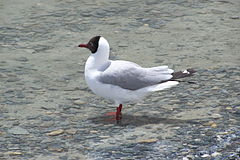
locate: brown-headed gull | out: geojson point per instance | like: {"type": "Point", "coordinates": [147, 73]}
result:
{"type": "Point", "coordinates": [124, 81]}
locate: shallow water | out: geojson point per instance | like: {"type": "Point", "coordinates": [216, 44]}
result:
{"type": "Point", "coordinates": [47, 111]}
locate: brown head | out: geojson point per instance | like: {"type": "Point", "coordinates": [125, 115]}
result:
{"type": "Point", "coordinates": [92, 45]}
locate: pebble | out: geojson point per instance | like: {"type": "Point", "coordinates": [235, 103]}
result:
{"type": "Point", "coordinates": [219, 76]}
{"type": "Point", "coordinates": [55, 148]}
{"type": "Point", "coordinates": [235, 17]}
{"type": "Point", "coordinates": [16, 153]}
{"type": "Point", "coordinates": [215, 154]}
{"type": "Point", "coordinates": [152, 140]}
{"type": "Point", "coordinates": [22, 59]}
{"type": "Point", "coordinates": [216, 11]}
{"type": "Point", "coordinates": [13, 79]}
{"type": "Point", "coordinates": [215, 88]}
{"type": "Point", "coordinates": [79, 102]}
{"type": "Point", "coordinates": [205, 155]}
{"type": "Point", "coordinates": [74, 98]}
{"type": "Point", "coordinates": [211, 123]}
{"type": "Point", "coordinates": [18, 130]}
{"type": "Point", "coordinates": [2, 75]}
{"type": "Point", "coordinates": [56, 132]}
{"type": "Point", "coordinates": [216, 115]}
{"type": "Point", "coordinates": [2, 133]}
{"type": "Point", "coordinates": [71, 131]}
{"type": "Point", "coordinates": [93, 131]}
{"type": "Point", "coordinates": [228, 108]}
{"type": "Point", "coordinates": [104, 136]}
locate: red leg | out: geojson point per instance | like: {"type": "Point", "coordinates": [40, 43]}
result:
{"type": "Point", "coordinates": [119, 113]}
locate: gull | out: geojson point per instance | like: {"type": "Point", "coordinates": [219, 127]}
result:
{"type": "Point", "coordinates": [123, 81]}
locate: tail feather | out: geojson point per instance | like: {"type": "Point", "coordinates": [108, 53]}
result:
{"type": "Point", "coordinates": [162, 86]}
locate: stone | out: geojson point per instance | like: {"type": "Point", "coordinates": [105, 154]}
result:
{"type": "Point", "coordinates": [220, 75]}
{"type": "Point", "coordinates": [2, 75]}
{"type": "Point", "coordinates": [152, 140]}
{"type": "Point", "coordinates": [104, 136]}
{"type": "Point", "coordinates": [71, 131]}
{"type": "Point", "coordinates": [18, 130]}
{"type": "Point", "coordinates": [22, 59]}
{"type": "Point", "coordinates": [93, 131]}
{"type": "Point", "coordinates": [215, 88]}
{"type": "Point", "coordinates": [56, 132]}
{"type": "Point", "coordinates": [79, 102]}
{"type": "Point", "coordinates": [235, 17]}
{"type": "Point", "coordinates": [13, 79]}
{"type": "Point", "coordinates": [16, 153]}
{"type": "Point", "coordinates": [55, 148]}
{"type": "Point", "coordinates": [205, 156]}
{"type": "Point", "coordinates": [215, 154]}
{"type": "Point", "coordinates": [211, 123]}
{"type": "Point", "coordinates": [228, 108]}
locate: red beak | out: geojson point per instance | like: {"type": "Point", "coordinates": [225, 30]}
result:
{"type": "Point", "coordinates": [83, 45]}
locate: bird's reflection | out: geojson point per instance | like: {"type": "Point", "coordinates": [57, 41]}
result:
{"type": "Point", "coordinates": [139, 120]}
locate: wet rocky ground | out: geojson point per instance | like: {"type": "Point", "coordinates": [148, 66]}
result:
{"type": "Point", "coordinates": [47, 111]}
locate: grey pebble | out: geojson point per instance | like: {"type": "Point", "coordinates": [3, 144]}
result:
{"type": "Point", "coordinates": [22, 59]}
{"type": "Point", "coordinates": [13, 79]}
{"type": "Point", "coordinates": [18, 130]}
{"type": "Point", "coordinates": [235, 17]}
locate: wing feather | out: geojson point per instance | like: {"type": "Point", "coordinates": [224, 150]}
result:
{"type": "Point", "coordinates": [131, 76]}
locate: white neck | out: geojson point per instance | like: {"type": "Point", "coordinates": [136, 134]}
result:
{"type": "Point", "coordinates": [101, 57]}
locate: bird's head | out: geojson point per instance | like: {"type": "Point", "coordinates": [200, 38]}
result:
{"type": "Point", "coordinates": [95, 44]}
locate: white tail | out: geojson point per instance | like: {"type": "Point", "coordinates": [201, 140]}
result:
{"type": "Point", "coordinates": [162, 86]}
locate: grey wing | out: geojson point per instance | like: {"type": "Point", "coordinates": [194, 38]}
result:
{"type": "Point", "coordinates": [130, 76]}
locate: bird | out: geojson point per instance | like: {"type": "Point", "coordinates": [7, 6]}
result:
{"type": "Point", "coordinates": [124, 81]}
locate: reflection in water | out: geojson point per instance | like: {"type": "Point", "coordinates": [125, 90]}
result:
{"type": "Point", "coordinates": [139, 120]}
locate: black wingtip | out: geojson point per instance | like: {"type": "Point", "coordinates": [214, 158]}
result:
{"type": "Point", "coordinates": [183, 74]}
{"type": "Point", "coordinates": [191, 71]}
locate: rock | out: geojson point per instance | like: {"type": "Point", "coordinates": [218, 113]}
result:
{"type": "Point", "coordinates": [148, 140]}
{"type": "Point", "coordinates": [56, 132]}
{"type": "Point", "coordinates": [74, 98]}
{"type": "Point", "coordinates": [2, 75]}
{"type": "Point", "coordinates": [216, 115]}
{"type": "Point", "coordinates": [215, 88]}
{"type": "Point", "coordinates": [216, 11]}
{"type": "Point", "coordinates": [122, 44]}
{"type": "Point", "coordinates": [226, 133]}
{"type": "Point", "coordinates": [93, 131]}
{"type": "Point", "coordinates": [205, 156]}
{"type": "Point", "coordinates": [71, 131]}
{"type": "Point", "coordinates": [235, 17]}
{"type": "Point", "coordinates": [220, 75]}
{"type": "Point", "coordinates": [2, 133]}
{"type": "Point", "coordinates": [190, 157]}
{"type": "Point", "coordinates": [104, 136]}
{"type": "Point", "coordinates": [16, 153]}
{"type": "Point", "coordinates": [13, 79]}
{"type": "Point", "coordinates": [22, 59]}
{"type": "Point", "coordinates": [215, 154]}
{"type": "Point", "coordinates": [210, 123]}
{"type": "Point", "coordinates": [79, 102]}
{"type": "Point", "coordinates": [214, 125]}
{"type": "Point", "coordinates": [55, 148]}
{"type": "Point", "coordinates": [18, 130]}
{"type": "Point", "coordinates": [238, 150]}
{"type": "Point", "coordinates": [228, 108]}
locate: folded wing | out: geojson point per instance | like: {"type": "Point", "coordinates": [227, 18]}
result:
{"type": "Point", "coordinates": [131, 76]}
